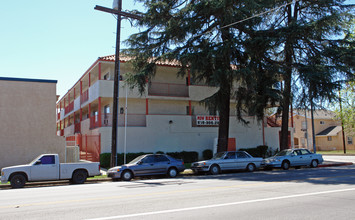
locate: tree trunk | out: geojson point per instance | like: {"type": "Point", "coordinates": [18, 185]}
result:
{"type": "Point", "coordinates": [285, 112]}
{"type": "Point", "coordinates": [223, 129]}
{"type": "Point", "coordinates": [287, 87]}
{"type": "Point", "coordinates": [224, 93]}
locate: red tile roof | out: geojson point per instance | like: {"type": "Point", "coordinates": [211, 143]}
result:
{"type": "Point", "coordinates": [111, 58]}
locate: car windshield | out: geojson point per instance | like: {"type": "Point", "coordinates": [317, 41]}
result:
{"type": "Point", "coordinates": [284, 153]}
{"type": "Point", "coordinates": [136, 159]}
{"type": "Point", "coordinates": [218, 156]}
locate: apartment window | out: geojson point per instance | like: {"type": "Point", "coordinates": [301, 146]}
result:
{"type": "Point", "coordinates": [96, 115]}
{"type": "Point", "coordinates": [304, 125]}
{"type": "Point", "coordinates": [350, 140]}
{"type": "Point", "coordinates": [322, 122]}
{"type": "Point", "coordinates": [188, 110]}
{"type": "Point", "coordinates": [107, 76]}
{"type": "Point", "coordinates": [107, 109]}
{"type": "Point", "coordinates": [329, 138]}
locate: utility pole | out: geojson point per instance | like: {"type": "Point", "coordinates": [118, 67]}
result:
{"type": "Point", "coordinates": [312, 119]}
{"type": "Point", "coordinates": [120, 14]}
{"type": "Point", "coordinates": [342, 123]}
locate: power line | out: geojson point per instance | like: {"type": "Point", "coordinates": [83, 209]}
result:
{"type": "Point", "coordinates": [257, 15]}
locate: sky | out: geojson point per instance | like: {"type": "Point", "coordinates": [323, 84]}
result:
{"type": "Point", "coordinates": [43, 40]}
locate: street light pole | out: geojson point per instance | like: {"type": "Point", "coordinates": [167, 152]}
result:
{"type": "Point", "coordinates": [119, 13]}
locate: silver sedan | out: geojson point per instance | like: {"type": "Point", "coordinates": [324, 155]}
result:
{"type": "Point", "coordinates": [146, 165]}
{"type": "Point", "coordinates": [230, 160]}
{"type": "Point", "coordinates": [293, 158]}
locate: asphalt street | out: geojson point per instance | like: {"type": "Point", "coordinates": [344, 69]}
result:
{"type": "Point", "coordinates": [320, 193]}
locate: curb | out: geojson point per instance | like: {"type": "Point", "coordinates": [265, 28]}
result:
{"type": "Point", "coordinates": [336, 164]}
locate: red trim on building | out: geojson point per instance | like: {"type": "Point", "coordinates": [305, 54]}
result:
{"type": "Point", "coordinates": [146, 107]}
{"type": "Point", "coordinates": [190, 109]}
{"type": "Point", "coordinates": [99, 112]}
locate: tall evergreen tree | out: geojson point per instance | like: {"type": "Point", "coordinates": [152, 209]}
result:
{"type": "Point", "coordinates": [199, 35]}
{"type": "Point", "coordinates": [313, 51]}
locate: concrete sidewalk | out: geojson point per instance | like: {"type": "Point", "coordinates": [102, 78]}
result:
{"type": "Point", "coordinates": [337, 160]}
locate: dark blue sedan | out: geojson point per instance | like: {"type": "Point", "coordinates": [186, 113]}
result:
{"type": "Point", "coordinates": [148, 165]}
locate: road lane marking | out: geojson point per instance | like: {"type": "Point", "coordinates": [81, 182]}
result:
{"type": "Point", "coordinates": [134, 195]}
{"type": "Point", "coordinates": [154, 193]}
{"type": "Point", "coordinates": [221, 205]}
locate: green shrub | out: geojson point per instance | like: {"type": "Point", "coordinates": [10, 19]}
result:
{"type": "Point", "coordinates": [259, 151]}
{"type": "Point", "coordinates": [207, 154]}
{"type": "Point", "coordinates": [105, 159]}
{"type": "Point", "coordinates": [186, 156]}
{"type": "Point", "coordinates": [159, 152]}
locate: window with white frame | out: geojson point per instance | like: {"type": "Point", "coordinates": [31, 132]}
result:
{"type": "Point", "coordinates": [329, 138]}
{"type": "Point", "coordinates": [350, 140]}
{"type": "Point", "coordinates": [322, 122]}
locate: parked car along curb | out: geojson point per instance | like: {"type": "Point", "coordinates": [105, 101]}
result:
{"type": "Point", "coordinates": [186, 172]}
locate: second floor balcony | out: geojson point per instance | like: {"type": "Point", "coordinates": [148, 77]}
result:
{"type": "Point", "coordinates": [168, 89]}
{"type": "Point", "coordinates": [133, 120]}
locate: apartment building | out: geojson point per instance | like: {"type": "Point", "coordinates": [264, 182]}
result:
{"type": "Point", "coordinates": [168, 117]}
{"type": "Point", "coordinates": [328, 131]}
{"type": "Point", "coordinates": [27, 116]}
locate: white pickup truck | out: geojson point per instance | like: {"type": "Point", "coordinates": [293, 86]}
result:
{"type": "Point", "coordinates": [46, 167]}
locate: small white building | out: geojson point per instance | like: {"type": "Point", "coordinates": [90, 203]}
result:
{"type": "Point", "coordinates": [168, 117]}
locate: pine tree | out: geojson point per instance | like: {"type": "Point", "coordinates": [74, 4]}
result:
{"type": "Point", "coordinates": [313, 50]}
{"type": "Point", "coordinates": [197, 33]}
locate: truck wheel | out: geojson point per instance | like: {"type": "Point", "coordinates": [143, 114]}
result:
{"type": "Point", "coordinates": [79, 177]}
{"type": "Point", "coordinates": [18, 181]}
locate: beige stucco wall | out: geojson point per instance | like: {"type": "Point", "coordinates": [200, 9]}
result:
{"type": "Point", "coordinates": [322, 142]}
{"type": "Point", "coordinates": [28, 123]}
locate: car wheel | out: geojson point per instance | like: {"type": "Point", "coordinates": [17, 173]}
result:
{"type": "Point", "coordinates": [285, 165]}
{"type": "Point", "coordinates": [79, 177]}
{"type": "Point", "coordinates": [251, 167]}
{"type": "Point", "coordinates": [126, 175]}
{"type": "Point", "coordinates": [214, 170]}
{"type": "Point", "coordinates": [314, 163]}
{"type": "Point", "coordinates": [172, 172]}
{"type": "Point", "coordinates": [18, 181]}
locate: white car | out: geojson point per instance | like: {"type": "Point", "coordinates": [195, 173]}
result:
{"type": "Point", "coordinates": [293, 158]}
{"type": "Point", "coordinates": [46, 167]}
{"type": "Point", "coordinates": [229, 160]}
